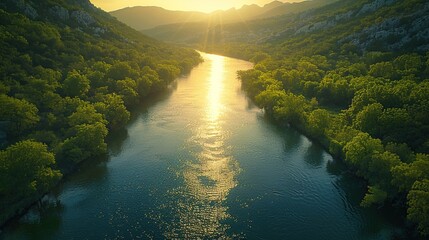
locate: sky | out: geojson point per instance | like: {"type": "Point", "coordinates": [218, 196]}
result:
{"type": "Point", "coordinates": [185, 5]}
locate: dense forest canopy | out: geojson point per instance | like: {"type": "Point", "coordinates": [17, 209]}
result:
{"type": "Point", "coordinates": [69, 74]}
{"type": "Point", "coordinates": [354, 76]}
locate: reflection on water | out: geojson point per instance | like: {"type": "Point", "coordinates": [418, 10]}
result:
{"type": "Point", "coordinates": [203, 163]}
{"type": "Point", "coordinates": [210, 176]}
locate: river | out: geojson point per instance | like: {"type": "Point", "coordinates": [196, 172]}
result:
{"type": "Point", "coordinates": [203, 162]}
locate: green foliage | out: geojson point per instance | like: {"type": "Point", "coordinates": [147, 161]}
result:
{"type": "Point", "coordinates": [85, 114]}
{"type": "Point", "coordinates": [372, 95]}
{"type": "Point", "coordinates": [405, 175]}
{"type": "Point", "coordinates": [382, 69]}
{"type": "Point", "coordinates": [121, 70]}
{"type": "Point", "coordinates": [127, 88]}
{"type": "Point", "coordinates": [75, 85]}
{"type": "Point", "coordinates": [25, 169]}
{"type": "Point", "coordinates": [360, 152]}
{"type": "Point", "coordinates": [114, 110]}
{"type": "Point", "coordinates": [318, 122]}
{"type": "Point", "coordinates": [367, 120]}
{"type": "Point", "coordinates": [168, 72]}
{"type": "Point", "coordinates": [21, 114]}
{"type": "Point", "coordinates": [88, 142]}
{"type": "Point", "coordinates": [65, 83]}
{"type": "Point", "coordinates": [418, 201]}
{"type": "Point", "coordinates": [374, 196]}
{"type": "Point", "coordinates": [291, 109]}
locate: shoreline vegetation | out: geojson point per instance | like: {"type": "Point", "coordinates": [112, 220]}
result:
{"type": "Point", "coordinates": [70, 75]}
{"type": "Point", "coordinates": [366, 109]}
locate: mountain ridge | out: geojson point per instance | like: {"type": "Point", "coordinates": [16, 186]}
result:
{"type": "Point", "coordinates": [147, 17]}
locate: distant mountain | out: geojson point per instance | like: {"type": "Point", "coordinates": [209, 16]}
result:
{"type": "Point", "coordinates": [365, 24]}
{"type": "Point", "coordinates": [297, 7]}
{"type": "Point", "coordinates": [143, 18]}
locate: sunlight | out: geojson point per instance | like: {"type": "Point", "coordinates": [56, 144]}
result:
{"type": "Point", "coordinates": [210, 178]}
{"type": "Point", "coordinates": [214, 107]}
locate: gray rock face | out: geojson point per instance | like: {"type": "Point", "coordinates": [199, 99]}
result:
{"type": "Point", "coordinates": [82, 18]}
{"type": "Point", "coordinates": [374, 6]}
{"type": "Point", "coordinates": [396, 32]}
{"type": "Point", "coordinates": [60, 13]}
{"type": "Point", "coordinates": [26, 9]}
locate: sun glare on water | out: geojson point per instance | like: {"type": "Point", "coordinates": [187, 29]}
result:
{"type": "Point", "coordinates": [210, 176]}
{"type": "Point", "coordinates": [215, 88]}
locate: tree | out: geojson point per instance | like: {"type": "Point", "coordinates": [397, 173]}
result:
{"type": "Point", "coordinates": [382, 69]}
{"type": "Point", "coordinates": [167, 72]}
{"type": "Point", "coordinates": [375, 195]}
{"type": "Point", "coordinates": [121, 70]}
{"type": "Point", "coordinates": [367, 120]}
{"type": "Point", "coordinates": [149, 82]}
{"type": "Point", "coordinates": [85, 114]}
{"type": "Point", "coordinates": [21, 114]}
{"type": "Point", "coordinates": [360, 152]}
{"type": "Point", "coordinates": [127, 88]}
{"type": "Point", "coordinates": [75, 84]}
{"type": "Point", "coordinates": [88, 141]}
{"type": "Point", "coordinates": [404, 175]}
{"type": "Point", "coordinates": [318, 121]}
{"type": "Point", "coordinates": [408, 64]}
{"type": "Point", "coordinates": [269, 98]}
{"type": "Point", "coordinates": [291, 108]}
{"type": "Point", "coordinates": [418, 202]}
{"type": "Point", "coordinates": [26, 168]}
{"type": "Point", "coordinates": [114, 110]}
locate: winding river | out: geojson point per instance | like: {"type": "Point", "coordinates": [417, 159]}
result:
{"type": "Point", "coordinates": [202, 162]}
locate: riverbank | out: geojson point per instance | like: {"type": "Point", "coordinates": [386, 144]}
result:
{"type": "Point", "coordinates": [12, 212]}
{"type": "Point", "coordinates": [205, 154]}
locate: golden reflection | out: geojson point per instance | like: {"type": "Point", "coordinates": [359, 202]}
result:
{"type": "Point", "coordinates": [210, 177]}
{"type": "Point", "coordinates": [215, 87]}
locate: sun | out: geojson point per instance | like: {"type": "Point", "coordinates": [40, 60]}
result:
{"type": "Point", "coordinates": [188, 5]}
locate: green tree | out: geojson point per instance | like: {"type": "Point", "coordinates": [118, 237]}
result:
{"type": "Point", "coordinates": [318, 121]}
{"type": "Point", "coordinates": [404, 175]}
{"type": "Point", "coordinates": [375, 195]}
{"type": "Point", "coordinates": [114, 110]}
{"type": "Point", "coordinates": [291, 108]}
{"type": "Point", "coordinates": [127, 88]}
{"type": "Point", "coordinates": [167, 72]}
{"type": "Point", "coordinates": [418, 202]}
{"type": "Point", "coordinates": [382, 69]}
{"type": "Point", "coordinates": [88, 142]}
{"type": "Point", "coordinates": [75, 84]}
{"type": "Point", "coordinates": [360, 152]}
{"type": "Point", "coordinates": [26, 168]}
{"type": "Point", "coordinates": [121, 70]}
{"type": "Point", "coordinates": [367, 120]}
{"type": "Point", "coordinates": [21, 114]}
{"type": "Point", "coordinates": [85, 114]}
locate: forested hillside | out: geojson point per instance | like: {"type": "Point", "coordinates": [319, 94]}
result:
{"type": "Point", "coordinates": [230, 25]}
{"type": "Point", "coordinates": [69, 75]}
{"type": "Point", "coordinates": [147, 17]}
{"type": "Point", "coordinates": [354, 76]}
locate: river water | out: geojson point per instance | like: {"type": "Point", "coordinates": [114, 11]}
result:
{"type": "Point", "coordinates": [203, 162]}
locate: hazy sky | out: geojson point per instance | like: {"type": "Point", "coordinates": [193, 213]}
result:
{"type": "Point", "coordinates": [187, 5]}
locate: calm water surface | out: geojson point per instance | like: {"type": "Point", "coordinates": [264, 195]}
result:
{"type": "Point", "coordinates": [203, 162]}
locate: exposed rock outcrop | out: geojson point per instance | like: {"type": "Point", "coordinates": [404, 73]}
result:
{"type": "Point", "coordinates": [82, 18]}
{"type": "Point", "coordinates": [60, 13]}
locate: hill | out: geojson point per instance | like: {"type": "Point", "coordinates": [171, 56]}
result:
{"type": "Point", "coordinates": [234, 25]}
{"type": "Point", "coordinates": [143, 18]}
{"type": "Point", "coordinates": [351, 75]}
{"type": "Point", "coordinates": [69, 75]}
